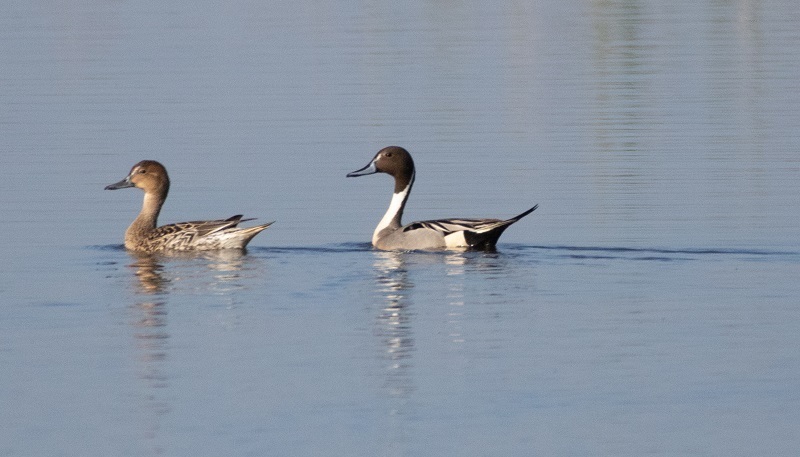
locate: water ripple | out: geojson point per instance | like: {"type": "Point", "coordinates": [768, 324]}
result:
{"type": "Point", "coordinates": [659, 254]}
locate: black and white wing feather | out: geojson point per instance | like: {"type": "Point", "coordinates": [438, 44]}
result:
{"type": "Point", "coordinates": [476, 232]}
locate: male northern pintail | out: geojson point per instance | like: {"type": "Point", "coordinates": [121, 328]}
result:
{"type": "Point", "coordinates": [144, 236]}
{"type": "Point", "coordinates": [438, 234]}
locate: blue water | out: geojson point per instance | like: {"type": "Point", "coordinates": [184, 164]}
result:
{"type": "Point", "coordinates": [649, 306]}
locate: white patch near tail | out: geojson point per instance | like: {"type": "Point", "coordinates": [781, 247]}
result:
{"type": "Point", "coordinates": [455, 240]}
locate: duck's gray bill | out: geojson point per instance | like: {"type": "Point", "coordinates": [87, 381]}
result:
{"type": "Point", "coordinates": [368, 170]}
{"type": "Point", "coordinates": [120, 185]}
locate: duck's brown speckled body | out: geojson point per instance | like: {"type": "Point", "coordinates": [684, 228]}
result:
{"type": "Point", "coordinates": [143, 235]}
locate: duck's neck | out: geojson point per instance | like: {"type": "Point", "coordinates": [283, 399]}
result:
{"type": "Point", "coordinates": [148, 216]}
{"type": "Point", "coordinates": [392, 219]}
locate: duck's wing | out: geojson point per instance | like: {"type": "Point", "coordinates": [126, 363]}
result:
{"type": "Point", "coordinates": [449, 226]}
{"type": "Point", "coordinates": [197, 228]}
{"type": "Point", "coordinates": [214, 234]}
{"type": "Point", "coordinates": [468, 232]}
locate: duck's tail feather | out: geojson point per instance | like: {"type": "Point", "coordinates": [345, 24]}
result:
{"type": "Point", "coordinates": [520, 216]}
{"type": "Point", "coordinates": [487, 236]}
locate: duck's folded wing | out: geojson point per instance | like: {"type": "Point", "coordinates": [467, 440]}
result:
{"type": "Point", "coordinates": [194, 229]}
{"type": "Point", "coordinates": [448, 226]}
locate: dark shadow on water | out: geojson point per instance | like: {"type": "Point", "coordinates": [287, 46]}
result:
{"type": "Point", "coordinates": [358, 247]}
{"type": "Point", "coordinates": [106, 247]}
{"type": "Point", "coordinates": [699, 251]}
{"type": "Point", "coordinates": [324, 249]}
{"type": "Point", "coordinates": [653, 254]}
{"type": "Point", "coordinates": [502, 251]}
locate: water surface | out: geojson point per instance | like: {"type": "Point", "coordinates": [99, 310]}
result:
{"type": "Point", "coordinates": [649, 306]}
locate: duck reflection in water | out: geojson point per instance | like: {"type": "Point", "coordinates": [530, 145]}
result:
{"type": "Point", "coordinates": [393, 325]}
{"type": "Point", "coordinates": [159, 273]}
{"type": "Point", "coordinates": [394, 322]}
{"type": "Point", "coordinates": [149, 273]}
{"type": "Point", "coordinates": [151, 340]}
{"type": "Point", "coordinates": [155, 276]}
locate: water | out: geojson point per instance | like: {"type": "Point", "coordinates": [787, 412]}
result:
{"type": "Point", "coordinates": [649, 306]}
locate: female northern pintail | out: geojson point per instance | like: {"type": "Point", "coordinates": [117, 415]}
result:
{"type": "Point", "coordinates": [437, 234]}
{"type": "Point", "coordinates": [144, 236]}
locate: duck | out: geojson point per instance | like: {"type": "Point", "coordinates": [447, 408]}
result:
{"type": "Point", "coordinates": [145, 236]}
{"type": "Point", "coordinates": [439, 234]}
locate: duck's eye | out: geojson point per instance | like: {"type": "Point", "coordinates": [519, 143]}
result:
{"type": "Point", "coordinates": [388, 154]}
{"type": "Point", "coordinates": [142, 170]}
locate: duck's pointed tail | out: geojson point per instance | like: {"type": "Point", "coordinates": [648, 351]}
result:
{"type": "Point", "coordinates": [254, 230]}
{"type": "Point", "coordinates": [487, 237]}
{"type": "Point", "coordinates": [246, 234]}
{"type": "Point", "coordinates": [520, 216]}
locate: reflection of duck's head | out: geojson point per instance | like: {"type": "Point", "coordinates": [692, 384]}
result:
{"type": "Point", "coordinates": [153, 315]}
{"type": "Point", "coordinates": [148, 271]}
{"type": "Point", "coordinates": [152, 278]}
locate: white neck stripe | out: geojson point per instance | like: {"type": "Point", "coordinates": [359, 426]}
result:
{"type": "Point", "coordinates": [396, 206]}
